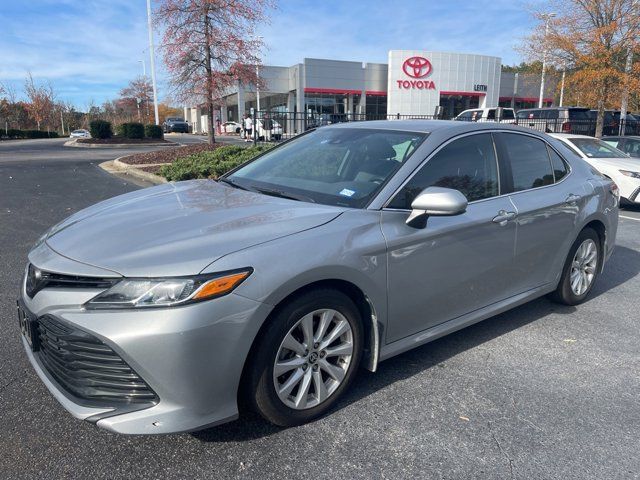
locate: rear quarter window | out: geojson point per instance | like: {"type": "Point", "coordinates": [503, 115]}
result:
{"type": "Point", "coordinates": [529, 159]}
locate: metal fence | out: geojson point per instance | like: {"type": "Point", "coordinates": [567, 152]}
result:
{"type": "Point", "coordinates": [279, 126]}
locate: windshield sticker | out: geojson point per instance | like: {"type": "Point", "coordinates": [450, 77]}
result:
{"type": "Point", "coordinates": [347, 193]}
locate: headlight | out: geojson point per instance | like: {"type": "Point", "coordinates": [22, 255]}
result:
{"type": "Point", "coordinates": [167, 292]}
{"type": "Point", "coordinates": [630, 174]}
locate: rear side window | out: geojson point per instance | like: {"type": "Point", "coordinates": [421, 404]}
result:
{"type": "Point", "coordinates": [578, 114]}
{"type": "Point", "coordinates": [468, 164]}
{"type": "Point", "coordinates": [530, 165]}
{"type": "Point", "coordinates": [560, 168]}
{"type": "Point", "coordinates": [507, 115]}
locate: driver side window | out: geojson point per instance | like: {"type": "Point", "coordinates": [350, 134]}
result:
{"type": "Point", "coordinates": [468, 164]}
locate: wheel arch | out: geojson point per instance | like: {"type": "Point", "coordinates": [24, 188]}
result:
{"type": "Point", "coordinates": [599, 227]}
{"type": "Point", "coordinates": [365, 307]}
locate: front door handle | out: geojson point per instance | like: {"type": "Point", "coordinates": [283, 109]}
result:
{"type": "Point", "coordinates": [572, 198]}
{"type": "Point", "coordinates": [503, 217]}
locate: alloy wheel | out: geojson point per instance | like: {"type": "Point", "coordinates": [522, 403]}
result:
{"type": "Point", "coordinates": [313, 359]}
{"type": "Point", "coordinates": [583, 267]}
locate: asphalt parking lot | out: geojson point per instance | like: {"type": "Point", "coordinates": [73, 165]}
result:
{"type": "Point", "coordinates": [542, 391]}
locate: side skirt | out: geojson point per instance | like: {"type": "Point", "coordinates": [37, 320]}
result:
{"type": "Point", "coordinates": [433, 333]}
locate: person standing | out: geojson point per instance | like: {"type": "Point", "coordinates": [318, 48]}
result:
{"type": "Point", "coordinates": [248, 128]}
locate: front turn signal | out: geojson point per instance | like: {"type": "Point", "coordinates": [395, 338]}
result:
{"type": "Point", "coordinates": [220, 286]}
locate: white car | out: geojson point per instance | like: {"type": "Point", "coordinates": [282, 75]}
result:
{"type": "Point", "coordinates": [268, 129]}
{"type": "Point", "coordinates": [487, 115]}
{"type": "Point", "coordinates": [609, 161]}
{"type": "Point", "coordinates": [231, 127]}
{"type": "Point", "coordinates": [80, 133]}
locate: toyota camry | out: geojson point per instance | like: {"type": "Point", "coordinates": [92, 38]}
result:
{"type": "Point", "coordinates": [163, 309]}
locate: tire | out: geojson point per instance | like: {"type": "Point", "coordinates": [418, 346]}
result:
{"type": "Point", "coordinates": [566, 293]}
{"type": "Point", "coordinates": [322, 390]}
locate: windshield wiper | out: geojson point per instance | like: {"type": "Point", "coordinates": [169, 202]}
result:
{"type": "Point", "coordinates": [281, 194]}
{"type": "Point", "coordinates": [232, 183]}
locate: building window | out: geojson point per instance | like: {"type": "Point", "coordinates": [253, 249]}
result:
{"type": "Point", "coordinates": [376, 107]}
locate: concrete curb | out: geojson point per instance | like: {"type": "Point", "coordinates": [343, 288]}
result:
{"type": "Point", "coordinates": [74, 143]}
{"type": "Point", "coordinates": [117, 166]}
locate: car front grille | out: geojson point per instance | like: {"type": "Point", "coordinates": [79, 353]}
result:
{"type": "Point", "coordinates": [87, 368]}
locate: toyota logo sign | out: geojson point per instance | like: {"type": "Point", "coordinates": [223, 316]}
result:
{"type": "Point", "coordinates": [417, 67]}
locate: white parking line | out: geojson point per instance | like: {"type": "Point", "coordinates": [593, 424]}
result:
{"type": "Point", "coordinates": [630, 218]}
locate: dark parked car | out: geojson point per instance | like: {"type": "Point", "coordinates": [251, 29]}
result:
{"type": "Point", "coordinates": [556, 120]}
{"type": "Point", "coordinates": [175, 124]}
{"type": "Point", "coordinates": [612, 123]}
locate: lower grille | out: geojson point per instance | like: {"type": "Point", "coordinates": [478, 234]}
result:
{"type": "Point", "coordinates": [87, 368]}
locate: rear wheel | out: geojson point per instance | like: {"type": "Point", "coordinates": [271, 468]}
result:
{"type": "Point", "coordinates": [580, 270]}
{"type": "Point", "coordinates": [307, 358]}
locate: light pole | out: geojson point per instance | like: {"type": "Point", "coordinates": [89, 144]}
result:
{"type": "Point", "coordinates": [258, 38]}
{"type": "Point", "coordinates": [625, 93]}
{"type": "Point", "coordinates": [257, 88]}
{"type": "Point", "coordinates": [564, 71]}
{"type": "Point", "coordinates": [153, 65]}
{"type": "Point", "coordinates": [144, 68]}
{"type": "Point", "coordinates": [546, 17]}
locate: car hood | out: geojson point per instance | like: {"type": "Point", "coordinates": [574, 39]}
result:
{"type": "Point", "coordinates": [179, 228]}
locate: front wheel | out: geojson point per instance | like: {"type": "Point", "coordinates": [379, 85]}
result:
{"type": "Point", "coordinates": [580, 270]}
{"type": "Point", "coordinates": [307, 358]}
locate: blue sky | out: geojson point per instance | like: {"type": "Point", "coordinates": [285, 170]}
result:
{"type": "Point", "coordinates": [90, 49]}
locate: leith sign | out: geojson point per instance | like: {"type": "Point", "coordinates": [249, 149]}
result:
{"type": "Point", "coordinates": [417, 68]}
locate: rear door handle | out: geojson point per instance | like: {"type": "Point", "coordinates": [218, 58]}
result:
{"type": "Point", "coordinates": [503, 217]}
{"type": "Point", "coordinates": [572, 198]}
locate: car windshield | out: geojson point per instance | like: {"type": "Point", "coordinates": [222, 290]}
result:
{"type": "Point", "coordinates": [342, 167]}
{"type": "Point", "coordinates": [594, 148]}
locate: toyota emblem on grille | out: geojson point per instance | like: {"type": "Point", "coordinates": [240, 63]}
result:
{"type": "Point", "coordinates": [417, 67]}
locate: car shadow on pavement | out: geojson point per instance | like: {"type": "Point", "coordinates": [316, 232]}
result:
{"type": "Point", "coordinates": [623, 265]}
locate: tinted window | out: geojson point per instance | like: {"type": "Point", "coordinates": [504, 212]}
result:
{"type": "Point", "coordinates": [507, 114]}
{"type": "Point", "coordinates": [559, 167]}
{"type": "Point", "coordinates": [467, 164]}
{"type": "Point", "coordinates": [530, 164]}
{"type": "Point", "coordinates": [594, 148]}
{"type": "Point", "coordinates": [491, 114]}
{"type": "Point", "coordinates": [575, 114]}
{"type": "Point", "coordinates": [342, 166]}
{"type": "Point", "coordinates": [632, 147]}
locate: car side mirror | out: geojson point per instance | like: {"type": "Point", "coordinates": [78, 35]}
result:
{"type": "Point", "coordinates": [437, 201]}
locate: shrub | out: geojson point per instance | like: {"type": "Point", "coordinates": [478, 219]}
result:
{"type": "Point", "coordinates": [100, 129]}
{"type": "Point", "coordinates": [210, 164]}
{"type": "Point", "coordinates": [153, 131]}
{"type": "Point", "coordinates": [12, 133]}
{"type": "Point", "coordinates": [131, 130]}
{"type": "Point", "coordinates": [15, 133]}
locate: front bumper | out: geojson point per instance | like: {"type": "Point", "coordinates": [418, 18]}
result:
{"type": "Point", "coordinates": [192, 357]}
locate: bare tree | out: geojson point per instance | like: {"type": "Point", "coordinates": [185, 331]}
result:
{"type": "Point", "coordinates": [208, 46]}
{"type": "Point", "coordinates": [140, 91]}
{"type": "Point", "coordinates": [41, 100]}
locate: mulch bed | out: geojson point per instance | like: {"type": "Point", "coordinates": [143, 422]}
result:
{"type": "Point", "coordinates": [167, 155]}
{"type": "Point", "coordinates": [118, 140]}
{"type": "Point", "coordinates": [150, 169]}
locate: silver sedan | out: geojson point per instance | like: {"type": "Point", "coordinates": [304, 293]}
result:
{"type": "Point", "coordinates": [159, 310]}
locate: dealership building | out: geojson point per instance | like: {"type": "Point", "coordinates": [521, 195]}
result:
{"type": "Point", "coordinates": [412, 83]}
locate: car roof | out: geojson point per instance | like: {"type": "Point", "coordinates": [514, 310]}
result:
{"type": "Point", "coordinates": [431, 126]}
